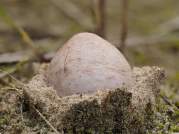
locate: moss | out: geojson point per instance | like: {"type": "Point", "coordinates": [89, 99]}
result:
{"type": "Point", "coordinates": [175, 128]}
{"type": "Point", "coordinates": [164, 122]}
{"type": "Point", "coordinates": [108, 117]}
{"type": "Point", "coordinates": [4, 120]}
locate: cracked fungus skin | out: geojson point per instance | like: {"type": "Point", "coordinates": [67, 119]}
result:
{"type": "Point", "coordinates": [87, 63]}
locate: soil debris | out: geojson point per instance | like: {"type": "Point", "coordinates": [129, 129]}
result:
{"type": "Point", "coordinates": [105, 111]}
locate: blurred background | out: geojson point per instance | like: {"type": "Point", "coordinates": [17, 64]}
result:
{"type": "Point", "coordinates": [147, 32]}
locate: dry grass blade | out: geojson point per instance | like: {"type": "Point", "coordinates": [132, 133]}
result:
{"type": "Point", "coordinates": [3, 74]}
{"type": "Point", "coordinates": [41, 115]}
{"type": "Point", "coordinates": [12, 70]}
{"type": "Point", "coordinates": [24, 35]}
{"type": "Point", "coordinates": [13, 78]}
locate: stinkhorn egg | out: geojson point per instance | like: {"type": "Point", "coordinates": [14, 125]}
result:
{"type": "Point", "coordinates": [87, 63]}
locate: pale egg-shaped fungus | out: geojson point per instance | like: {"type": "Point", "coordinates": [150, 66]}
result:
{"type": "Point", "coordinates": [87, 63]}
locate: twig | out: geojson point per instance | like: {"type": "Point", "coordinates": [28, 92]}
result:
{"type": "Point", "coordinates": [166, 100]}
{"type": "Point", "coordinates": [124, 24]}
{"type": "Point", "coordinates": [101, 18]}
{"type": "Point", "coordinates": [43, 117]}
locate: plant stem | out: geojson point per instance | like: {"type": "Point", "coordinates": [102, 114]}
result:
{"type": "Point", "coordinates": [124, 24]}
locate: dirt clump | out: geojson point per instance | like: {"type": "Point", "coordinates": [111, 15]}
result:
{"type": "Point", "coordinates": [36, 107]}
